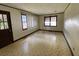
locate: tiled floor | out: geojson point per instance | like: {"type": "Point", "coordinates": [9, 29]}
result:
{"type": "Point", "coordinates": [41, 43]}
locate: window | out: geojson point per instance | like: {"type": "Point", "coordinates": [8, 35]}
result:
{"type": "Point", "coordinates": [47, 21]}
{"type": "Point", "coordinates": [50, 21]}
{"type": "Point", "coordinates": [24, 21]}
{"type": "Point", "coordinates": [3, 22]}
{"type": "Point", "coordinates": [53, 21]}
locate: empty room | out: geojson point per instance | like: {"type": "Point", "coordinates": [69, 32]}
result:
{"type": "Point", "coordinates": [39, 29]}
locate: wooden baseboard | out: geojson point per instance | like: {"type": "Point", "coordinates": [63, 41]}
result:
{"type": "Point", "coordinates": [34, 32]}
{"type": "Point", "coordinates": [26, 35]}
{"type": "Point", "coordinates": [49, 30]}
{"type": "Point", "coordinates": [68, 45]}
{"type": "Point", "coordinates": [21, 38]}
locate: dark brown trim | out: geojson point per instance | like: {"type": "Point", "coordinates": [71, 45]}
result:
{"type": "Point", "coordinates": [30, 12]}
{"type": "Point", "coordinates": [50, 21]}
{"type": "Point", "coordinates": [67, 7]}
{"type": "Point", "coordinates": [22, 22]}
{"type": "Point", "coordinates": [26, 35]}
{"type": "Point", "coordinates": [51, 14]}
{"type": "Point", "coordinates": [34, 32]}
{"type": "Point", "coordinates": [49, 30]}
{"type": "Point", "coordinates": [68, 45]}
{"type": "Point", "coordinates": [21, 38]}
{"type": "Point", "coordinates": [9, 24]}
{"type": "Point", "coordinates": [17, 9]}
{"type": "Point", "coordinates": [64, 38]}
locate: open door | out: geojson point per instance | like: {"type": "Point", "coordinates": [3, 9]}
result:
{"type": "Point", "coordinates": [6, 36]}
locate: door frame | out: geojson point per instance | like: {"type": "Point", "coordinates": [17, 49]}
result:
{"type": "Point", "coordinates": [9, 23]}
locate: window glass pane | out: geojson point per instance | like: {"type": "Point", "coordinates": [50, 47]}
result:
{"type": "Point", "coordinates": [24, 25]}
{"type": "Point", "coordinates": [1, 25]}
{"type": "Point", "coordinates": [6, 25]}
{"type": "Point", "coordinates": [23, 18]}
{"type": "Point", "coordinates": [53, 21]}
{"type": "Point", "coordinates": [5, 17]}
{"type": "Point", "coordinates": [47, 21]}
{"type": "Point", "coordinates": [1, 18]}
{"type": "Point", "coordinates": [24, 21]}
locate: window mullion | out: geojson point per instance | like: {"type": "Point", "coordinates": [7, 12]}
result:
{"type": "Point", "coordinates": [3, 21]}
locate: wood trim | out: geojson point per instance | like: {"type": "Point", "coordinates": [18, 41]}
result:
{"type": "Point", "coordinates": [68, 45]}
{"type": "Point", "coordinates": [26, 35]}
{"type": "Point", "coordinates": [9, 24]}
{"type": "Point", "coordinates": [45, 30]}
{"type": "Point", "coordinates": [49, 30]}
{"type": "Point", "coordinates": [18, 9]}
{"type": "Point", "coordinates": [34, 32]}
{"type": "Point", "coordinates": [50, 21]}
{"type": "Point", "coordinates": [67, 7]}
{"type": "Point", "coordinates": [64, 38]}
{"type": "Point", "coordinates": [51, 14]}
{"type": "Point", "coordinates": [21, 38]}
{"type": "Point", "coordinates": [31, 12]}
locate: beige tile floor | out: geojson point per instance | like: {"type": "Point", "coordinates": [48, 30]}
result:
{"type": "Point", "coordinates": [41, 43]}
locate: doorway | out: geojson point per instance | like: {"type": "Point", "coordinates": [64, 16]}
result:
{"type": "Point", "coordinates": [6, 36]}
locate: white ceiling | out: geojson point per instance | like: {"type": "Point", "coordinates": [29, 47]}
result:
{"type": "Point", "coordinates": [40, 8]}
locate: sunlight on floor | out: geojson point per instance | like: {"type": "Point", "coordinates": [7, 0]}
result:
{"type": "Point", "coordinates": [39, 43]}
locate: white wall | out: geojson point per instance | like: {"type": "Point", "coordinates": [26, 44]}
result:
{"type": "Point", "coordinates": [60, 18]}
{"type": "Point", "coordinates": [16, 22]}
{"type": "Point", "coordinates": [71, 27]}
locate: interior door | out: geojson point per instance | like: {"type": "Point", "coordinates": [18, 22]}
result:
{"type": "Point", "coordinates": [6, 36]}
